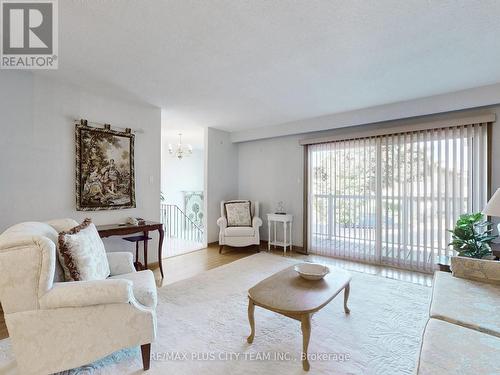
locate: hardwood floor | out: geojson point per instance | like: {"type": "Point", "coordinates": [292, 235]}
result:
{"type": "Point", "coordinates": [188, 265]}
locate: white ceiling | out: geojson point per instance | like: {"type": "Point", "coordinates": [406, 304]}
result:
{"type": "Point", "coordinates": [239, 64]}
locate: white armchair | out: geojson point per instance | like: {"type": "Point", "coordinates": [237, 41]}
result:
{"type": "Point", "coordinates": [239, 236]}
{"type": "Point", "coordinates": [54, 325]}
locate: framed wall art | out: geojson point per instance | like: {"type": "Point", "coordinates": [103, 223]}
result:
{"type": "Point", "coordinates": [104, 168]}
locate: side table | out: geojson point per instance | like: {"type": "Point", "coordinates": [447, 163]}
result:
{"type": "Point", "coordinates": [287, 220]}
{"type": "Point", "coordinates": [443, 262]}
{"type": "Point", "coordinates": [125, 229]}
{"type": "Point", "coordinates": [495, 248]}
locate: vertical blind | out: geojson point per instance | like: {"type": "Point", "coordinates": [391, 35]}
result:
{"type": "Point", "coordinates": [390, 199]}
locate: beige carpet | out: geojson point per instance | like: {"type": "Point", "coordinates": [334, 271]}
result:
{"type": "Point", "coordinates": [202, 328]}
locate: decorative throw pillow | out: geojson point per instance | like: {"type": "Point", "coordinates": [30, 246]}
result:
{"type": "Point", "coordinates": [238, 214]}
{"type": "Point", "coordinates": [82, 254]}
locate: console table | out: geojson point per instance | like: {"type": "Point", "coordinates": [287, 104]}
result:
{"type": "Point", "coordinates": [125, 229]}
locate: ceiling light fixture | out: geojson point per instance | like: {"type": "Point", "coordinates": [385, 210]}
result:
{"type": "Point", "coordinates": [181, 150]}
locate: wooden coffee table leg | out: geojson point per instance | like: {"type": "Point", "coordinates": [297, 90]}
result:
{"type": "Point", "coordinates": [346, 297]}
{"type": "Point", "coordinates": [306, 335]}
{"type": "Point", "coordinates": [251, 309]}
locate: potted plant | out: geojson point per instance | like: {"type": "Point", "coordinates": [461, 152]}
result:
{"type": "Point", "coordinates": [471, 239]}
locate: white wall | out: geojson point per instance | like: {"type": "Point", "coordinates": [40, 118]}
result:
{"type": "Point", "coordinates": [37, 151]}
{"type": "Point", "coordinates": [177, 175]}
{"type": "Point", "coordinates": [221, 181]}
{"type": "Point", "coordinates": [271, 169]}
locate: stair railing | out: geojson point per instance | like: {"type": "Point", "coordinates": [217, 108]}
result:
{"type": "Point", "coordinates": [179, 225]}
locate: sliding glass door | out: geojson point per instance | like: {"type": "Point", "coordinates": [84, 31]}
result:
{"type": "Point", "coordinates": [390, 199]}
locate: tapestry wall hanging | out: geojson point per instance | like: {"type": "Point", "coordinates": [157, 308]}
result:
{"type": "Point", "coordinates": [193, 206]}
{"type": "Point", "coordinates": [104, 168]}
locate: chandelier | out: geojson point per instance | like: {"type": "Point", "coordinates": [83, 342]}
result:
{"type": "Point", "coordinates": [180, 150]}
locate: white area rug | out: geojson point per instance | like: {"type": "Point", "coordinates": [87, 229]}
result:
{"type": "Point", "coordinates": [202, 328]}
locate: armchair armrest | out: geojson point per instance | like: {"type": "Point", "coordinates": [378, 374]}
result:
{"type": "Point", "coordinates": [87, 293]}
{"type": "Point", "coordinates": [256, 222]}
{"type": "Point", "coordinates": [222, 222]}
{"type": "Point", "coordinates": [120, 263]}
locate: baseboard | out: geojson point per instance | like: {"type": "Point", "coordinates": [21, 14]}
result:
{"type": "Point", "coordinates": [297, 249]}
{"type": "Point", "coordinates": [263, 246]}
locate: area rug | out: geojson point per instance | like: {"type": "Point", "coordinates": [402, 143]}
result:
{"type": "Point", "coordinates": [203, 325]}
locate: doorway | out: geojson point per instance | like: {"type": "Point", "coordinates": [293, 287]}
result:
{"type": "Point", "coordinates": [182, 189]}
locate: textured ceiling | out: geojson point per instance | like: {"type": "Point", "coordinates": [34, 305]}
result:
{"type": "Point", "coordinates": [234, 64]}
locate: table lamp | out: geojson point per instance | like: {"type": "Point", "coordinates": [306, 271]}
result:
{"type": "Point", "coordinates": [493, 206]}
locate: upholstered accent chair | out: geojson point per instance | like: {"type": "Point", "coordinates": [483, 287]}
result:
{"type": "Point", "coordinates": [56, 325]}
{"type": "Point", "coordinates": [239, 235]}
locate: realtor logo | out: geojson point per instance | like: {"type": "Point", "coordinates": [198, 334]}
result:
{"type": "Point", "coordinates": [29, 34]}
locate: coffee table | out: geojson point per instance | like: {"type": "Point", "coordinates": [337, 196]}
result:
{"type": "Point", "coordinates": [288, 294]}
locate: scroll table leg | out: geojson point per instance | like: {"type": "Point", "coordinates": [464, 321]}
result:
{"type": "Point", "coordinates": [251, 320]}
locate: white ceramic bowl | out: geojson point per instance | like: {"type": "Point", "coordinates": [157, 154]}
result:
{"type": "Point", "coordinates": [312, 271]}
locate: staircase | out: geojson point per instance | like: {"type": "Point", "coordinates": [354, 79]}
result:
{"type": "Point", "coordinates": [182, 234]}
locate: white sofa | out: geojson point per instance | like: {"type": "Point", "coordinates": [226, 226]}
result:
{"type": "Point", "coordinates": [239, 236]}
{"type": "Point", "coordinates": [462, 335]}
{"type": "Point", "coordinates": [56, 325]}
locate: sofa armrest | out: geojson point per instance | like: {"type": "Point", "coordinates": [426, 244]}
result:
{"type": "Point", "coordinates": [120, 263]}
{"type": "Point", "coordinates": [87, 293]}
{"type": "Point", "coordinates": [256, 222]}
{"type": "Point", "coordinates": [222, 222]}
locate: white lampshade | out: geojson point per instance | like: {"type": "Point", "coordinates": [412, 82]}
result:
{"type": "Point", "coordinates": [493, 206]}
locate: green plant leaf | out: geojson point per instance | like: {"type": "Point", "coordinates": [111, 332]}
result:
{"type": "Point", "coordinates": [472, 236]}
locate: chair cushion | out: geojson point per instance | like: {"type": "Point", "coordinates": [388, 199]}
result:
{"type": "Point", "coordinates": [238, 213]}
{"type": "Point", "coordinates": [451, 349]}
{"type": "Point", "coordinates": [471, 304]}
{"type": "Point", "coordinates": [239, 232]}
{"type": "Point", "coordinates": [144, 286]}
{"type": "Point", "coordinates": [82, 254]}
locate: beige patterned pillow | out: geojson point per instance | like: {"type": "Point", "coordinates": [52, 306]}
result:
{"type": "Point", "coordinates": [238, 214]}
{"type": "Point", "coordinates": [82, 254]}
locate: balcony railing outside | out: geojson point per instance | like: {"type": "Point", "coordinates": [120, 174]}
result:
{"type": "Point", "coordinates": [349, 223]}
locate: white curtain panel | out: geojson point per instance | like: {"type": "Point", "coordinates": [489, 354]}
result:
{"type": "Point", "coordinates": [390, 199]}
